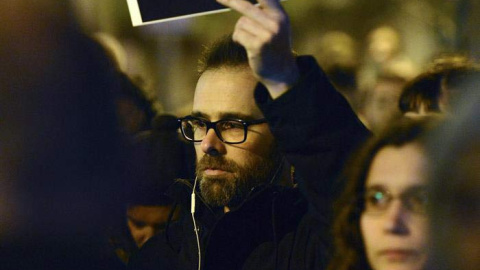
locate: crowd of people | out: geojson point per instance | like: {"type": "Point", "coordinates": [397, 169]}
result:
{"type": "Point", "coordinates": [272, 169]}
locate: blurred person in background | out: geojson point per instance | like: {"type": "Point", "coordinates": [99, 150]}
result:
{"type": "Point", "coordinates": [384, 55]}
{"type": "Point", "coordinates": [160, 157]}
{"type": "Point", "coordinates": [455, 176]}
{"type": "Point", "coordinates": [62, 153]}
{"type": "Point", "coordinates": [433, 91]}
{"type": "Point", "coordinates": [134, 108]}
{"type": "Point", "coordinates": [337, 54]}
{"type": "Point", "coordinates": [381, 102]}
{"type": "Point", "coordinates": [382, 76]}
{"type": "Point", "coordinates": [381, 220]}
{"type": "Point", "coordinates": [135, 111]}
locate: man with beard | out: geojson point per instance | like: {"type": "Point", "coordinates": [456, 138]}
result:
{"type": "Point", "coordinates": [235, 149]}
{"type": "Point", "coordinates": [255, 105]}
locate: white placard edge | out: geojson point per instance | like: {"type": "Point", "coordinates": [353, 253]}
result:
{"type": "Point", "coordinates": [136, 16]}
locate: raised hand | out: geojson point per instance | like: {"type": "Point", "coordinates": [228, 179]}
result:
{"type": "Point", "coordinates": [264, 31]}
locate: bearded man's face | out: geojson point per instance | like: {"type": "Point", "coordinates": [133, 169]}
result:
{"type": "Point", "coordinates": [228, 172]}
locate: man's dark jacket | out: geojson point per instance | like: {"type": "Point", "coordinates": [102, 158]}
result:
{"type": "Point", "coordinates": [275, 227]}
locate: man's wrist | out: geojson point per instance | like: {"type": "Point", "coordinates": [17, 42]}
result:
{"type": "Point", "coordinates": [279, 87]}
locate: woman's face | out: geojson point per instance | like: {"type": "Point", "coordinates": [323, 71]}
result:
{"type": "Point", "coordinates": [394, 224]}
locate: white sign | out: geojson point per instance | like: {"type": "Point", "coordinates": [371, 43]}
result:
{"type": "Point", "coordinates": [145, 12]}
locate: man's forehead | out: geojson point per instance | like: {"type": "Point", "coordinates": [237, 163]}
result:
{"type": "Point", "coordinates": [225, 115]}
{"type": "Point", "coordinates": [226, 110]}
{"type": "Point", "coordinates": [226, 93]}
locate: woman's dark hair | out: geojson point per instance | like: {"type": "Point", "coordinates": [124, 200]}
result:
{"type": "Point", "coordinates": [349, 248]}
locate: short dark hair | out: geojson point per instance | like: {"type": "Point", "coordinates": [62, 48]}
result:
{"type": "Point", "coordinates": [349, 248]}
{"type": "Point", "coordinates": [223, 53]}
{"type": "Point", "coordinates": [446, 74]}
{"type": "Point", "coordinates": [423, 90]}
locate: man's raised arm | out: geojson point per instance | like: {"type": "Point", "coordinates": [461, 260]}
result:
{"type": "Point", "coordinates": [315, 126]}
{"type": "Point", "coordinates": [264, 31]}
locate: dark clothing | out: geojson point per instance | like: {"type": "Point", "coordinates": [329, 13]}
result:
{"type": "Point", "coordinates": [276, 227]}
{"type": "Point", "coordinates": [77, 252]}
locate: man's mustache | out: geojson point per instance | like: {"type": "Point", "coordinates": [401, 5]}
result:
{"type": "Point", "coordinates": [218, 163]}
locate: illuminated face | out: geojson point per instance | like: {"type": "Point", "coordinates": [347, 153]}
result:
{"type": "Point", "coordinates": [383, 103]}
{"type": "Point", "coordinates": [228, 172]}
{"type": "Point", "coordinates": [384, 43]}
{"type": "Point", "coordinates": [146, 221]}
{"type": "Point", "coordinates": [394, 224]}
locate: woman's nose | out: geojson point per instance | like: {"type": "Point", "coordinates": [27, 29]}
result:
{"type": "Point", "coordinates": [396, 219]}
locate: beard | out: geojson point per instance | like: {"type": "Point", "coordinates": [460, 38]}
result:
{"type": "Point", "coordinates": [232, 189]}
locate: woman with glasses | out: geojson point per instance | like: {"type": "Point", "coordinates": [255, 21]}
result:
{"type": "Point", "coordinates": [380, 218]}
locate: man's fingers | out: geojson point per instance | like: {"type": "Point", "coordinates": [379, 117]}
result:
{"type": "Point", "coordinates": [270, 4]}
{"type": "Point", "coordinates": [251, 11]}
{"type": "Point", "coordinates": [248, 25]}
{"type": "Point", "coordinates": [244, 7]}
{"type": "Point", "coordinates": [246, 39]}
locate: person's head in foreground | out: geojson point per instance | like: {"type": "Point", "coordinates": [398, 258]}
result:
{"type": "Point", "coordinates": [455, 221]}
{"type": "Point", "coordinates": [235, 149]}
{"type": "Point", "coordinates": [62, 155]}
{"type": "Point", "coordinates": [381, 220]}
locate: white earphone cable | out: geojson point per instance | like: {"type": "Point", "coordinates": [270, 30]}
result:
{"type": "Point", "coordinates": [195, 228]}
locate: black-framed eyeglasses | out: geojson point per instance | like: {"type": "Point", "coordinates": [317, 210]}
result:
{"type": "Point", "coordinates": [377, 200]}
{"type": "Point", "coordinates": [231, 131]}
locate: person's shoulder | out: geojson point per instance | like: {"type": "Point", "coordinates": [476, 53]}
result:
{"type": "Point", "coordinates": [156, 253]}
{"type": "Point", "coordinates": [293, 206]}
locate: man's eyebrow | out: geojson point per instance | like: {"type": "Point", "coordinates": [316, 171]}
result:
{"type": "Point", "coordinates": [236, 115]}
{"type": "Point", "coordinates": [224, 115]}
{"type": "Point", "coordinates": [134, 220]}
{"type": "Point", "coordinates": [200, 115]}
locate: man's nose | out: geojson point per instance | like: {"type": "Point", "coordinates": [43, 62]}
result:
{"type": "Point", "coordinates": [212, 145]}
{"type": "Point", "coordinates": [396, 219]}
